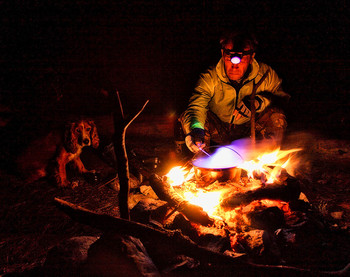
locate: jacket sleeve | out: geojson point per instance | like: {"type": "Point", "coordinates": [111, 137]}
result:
{"type": "Point", "coordinates": [270, 92]}
{"type": "Point", "coordinates": [196, 112]}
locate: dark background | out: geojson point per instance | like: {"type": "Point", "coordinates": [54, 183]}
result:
{"type": "Point", "coordinates": [57, 55]}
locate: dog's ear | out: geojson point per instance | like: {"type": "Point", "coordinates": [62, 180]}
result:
{"type": "Point", "coordinates": [70, 138]}
{"type": "Point", "coordinates": [95, 140]}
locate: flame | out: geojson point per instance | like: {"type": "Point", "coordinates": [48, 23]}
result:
{"type": "Point", "coordinates": [208, 200]}
{"type": "Point", "coordinates": [270, 165]}
{"type": "Point", "coordinates": [265, 168]}
{"type": "Point", "coordinates": [178, 175]}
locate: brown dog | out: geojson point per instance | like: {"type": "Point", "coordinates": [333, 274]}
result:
{"type": "Point", "coordinates": [49, 156]}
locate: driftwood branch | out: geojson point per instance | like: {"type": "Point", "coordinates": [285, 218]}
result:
{"type": "Point", "coordinates": [121, 226]}
{"type": "Point", "coordinates": [120, 126]}
{"type": "Point", "coordinates": [181, 244]}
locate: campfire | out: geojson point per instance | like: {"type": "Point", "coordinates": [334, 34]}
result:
{"type": "Point", "coordinates": [267, 169]}
{"type": "Point", "coordinates": [235, 206]}
{"type": "Point", "coordinates": [260, 188]}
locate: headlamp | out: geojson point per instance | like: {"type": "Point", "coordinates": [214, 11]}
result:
{"type": "Point", "coordinates": [236, 57]}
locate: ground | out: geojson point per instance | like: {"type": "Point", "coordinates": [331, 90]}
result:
{"type": "Point", "coordinates": [31, 224]}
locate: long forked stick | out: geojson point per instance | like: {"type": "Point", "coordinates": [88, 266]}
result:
{"type": "Point", "coordinates": [120, 126]}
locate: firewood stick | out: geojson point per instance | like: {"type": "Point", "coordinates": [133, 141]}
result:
{"type": "Point", "coordinates": [166, 192]}
{"type": "Point", "coordinates": [181, 244]}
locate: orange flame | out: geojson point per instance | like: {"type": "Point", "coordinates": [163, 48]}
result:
{"type": "Point", "coordinates": [178, 175]}
{"type": "Point", "coordinates": [267, 166]}
{"type": "Point", "coordinates": [270, 164]}
{"type": "Point", "coordinates": [208, 200]}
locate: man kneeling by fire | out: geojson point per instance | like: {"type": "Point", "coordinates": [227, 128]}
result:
{"type": "Point", "coordinates": [228, 95]}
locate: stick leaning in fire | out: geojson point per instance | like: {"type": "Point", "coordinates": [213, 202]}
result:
{"type": "Point", "coordinates": [166, 192]}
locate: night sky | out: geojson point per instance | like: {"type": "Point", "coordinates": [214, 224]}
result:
{"type": "Point", "coordinates": [156, 49]}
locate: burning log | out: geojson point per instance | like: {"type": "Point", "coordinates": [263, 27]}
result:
{"type": "Point", "coordinates": [166, 192]}
{"type": "Point", "coordinates": [288, 191]}
{"type": "Point", "coordinates": [180, 244]}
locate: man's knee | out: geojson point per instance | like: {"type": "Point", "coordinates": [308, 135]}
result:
{"type": "Point", "coordinates": [278, 120]}
{"type": "Point", "coordinates": [274, 126]}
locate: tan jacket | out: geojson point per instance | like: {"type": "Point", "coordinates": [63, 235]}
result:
{"type": "Point", "coordinates": [214, 92]}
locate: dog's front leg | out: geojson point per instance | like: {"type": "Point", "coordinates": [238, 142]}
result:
{"type": "Point", "coordinates": [80, 166]}
{"type": "Point", "coordinates": [90, 175]}
{"type": "Point", "coordinates": [61, 175]}
{"type": "Point", "coordinates": [60, 172]}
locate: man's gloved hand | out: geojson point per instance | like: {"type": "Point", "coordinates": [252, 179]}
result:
{"type": "Point", "coordinates": [195, 140]}
{"type": "Point", "coordinates": [243, 108]}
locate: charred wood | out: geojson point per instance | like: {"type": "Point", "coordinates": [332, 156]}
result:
{"type": "Point", "coordinates": [287, 192]}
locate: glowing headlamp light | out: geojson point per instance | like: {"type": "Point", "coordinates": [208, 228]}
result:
{"type": "Point", "coordinates": [236, 57]}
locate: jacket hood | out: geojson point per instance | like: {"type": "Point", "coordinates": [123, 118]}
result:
{"type": "Point", "coordinates": [220, 71]}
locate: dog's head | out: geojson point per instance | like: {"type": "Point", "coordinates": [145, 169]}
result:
{"type": "Point", "coordinates": [80, 134]}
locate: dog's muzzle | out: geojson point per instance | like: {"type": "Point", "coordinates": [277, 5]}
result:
{"type": "Point", "coordinates": [86, 141]}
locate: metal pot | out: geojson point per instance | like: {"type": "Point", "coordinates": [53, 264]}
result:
{"type": "Point", "coordinates": [220, 165]}
{"type": "Point", "coordinates": [210, 175]}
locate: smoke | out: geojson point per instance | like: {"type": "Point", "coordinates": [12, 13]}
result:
{"type": "Point", "coordinates": [241, 150]}
{"type": "Point", "coordinates": [249, 151]}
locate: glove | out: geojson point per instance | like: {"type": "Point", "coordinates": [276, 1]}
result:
{"type": "Point", "coordinates": [243, 108]}
{"type": "Point", "coordinates": [195, 139]}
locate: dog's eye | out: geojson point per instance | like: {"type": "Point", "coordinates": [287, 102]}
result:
{"type": "Point", "coordinates": [78, 130]}
{"type": "Point", "coordinates": [88, 129]}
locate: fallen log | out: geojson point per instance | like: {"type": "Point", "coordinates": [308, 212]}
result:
{"type": "Point", "coordinates": [121, 226]}
{"type": "Point", "coordinates": [166, 193]}
{"type": "Point", "coordinates": [288, 191]}
{"type": "Point", "coordinates": [183, 245]}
